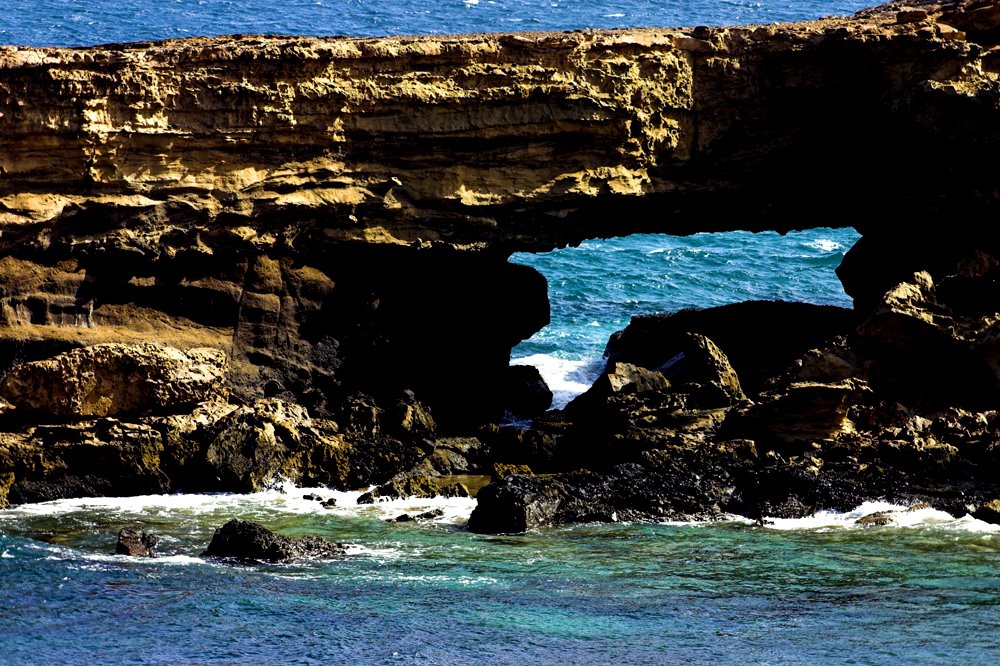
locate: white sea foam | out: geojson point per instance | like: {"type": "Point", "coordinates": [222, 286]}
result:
{"type": "Point", "coordinates": [289, 500]}
{"type": "Point", "coordinates": [5, 555]}
{"type": "Point", "coordinates": [823, 244]}
{"type": "Point", "coordinates": [565, 378]}
{"type": "Point", "coordinates": [900, 516]}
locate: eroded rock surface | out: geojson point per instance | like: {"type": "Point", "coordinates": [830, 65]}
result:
{"type": "Point", "coordinates": [335, 216]}
{"type": "Point", "coordinates": [135, 542]}
{"type": "Point", "coordinates": [336, 213]}
{"type": "Point", "coordinates": [117, 379]}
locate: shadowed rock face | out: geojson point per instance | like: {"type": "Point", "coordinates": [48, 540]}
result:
{"type": "Point", "coordinates": [335, 214]}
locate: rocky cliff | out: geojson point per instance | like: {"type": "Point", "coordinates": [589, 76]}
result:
{"type": "Point", "coordinates": [336, 214]}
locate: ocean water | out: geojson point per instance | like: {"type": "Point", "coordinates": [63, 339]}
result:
{"type": "Point", "coordinates": [820, 590]}
{"type": "Point", "coordinates": [76, 22]}
{"type": "Point", "coordinates": [813, 591]}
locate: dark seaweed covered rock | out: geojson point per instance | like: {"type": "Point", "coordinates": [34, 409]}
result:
{"type": "Point", "coordinates": [246, 540]}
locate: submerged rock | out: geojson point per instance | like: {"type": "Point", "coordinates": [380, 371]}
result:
{"type": "Point", "coordinates": [135, 542]}
{"type": "Point", "coordinates": [116, 379]}
{"type": "Point", "coordinates": [877, 519]}
{"type": "Point", "coordinates": [246, 540]}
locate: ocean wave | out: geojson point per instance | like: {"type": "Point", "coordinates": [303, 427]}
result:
{"type": "Point", "coordinates": [823, 245]}
{"type": "Point", "coordinates": [899, 516]}
{"type": "Point", "coordinates": [566, 378]}
{"type": "Point", "coordinates": [288, 500]}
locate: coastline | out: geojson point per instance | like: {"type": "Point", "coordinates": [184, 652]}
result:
{"type": "Point", "coordinates": [214, 277]}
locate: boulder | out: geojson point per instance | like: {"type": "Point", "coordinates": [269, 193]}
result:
{"type": "Point", "coordinates": [249, 541]}
{"type": "Point", "coordinates": [117, 379]}
{"type": "Point", "coordinates": [618, 378]}
{"type": "Point", "coordinates": [759, 338]}
{"type": "Point", "coordinates": [526, 392]}
{"type": "Point", "coordinates": [877, 519]}
{"type": "Point", "coordinates": [703, 371]}
{"type": "Point", "coordinates": [135, 542]}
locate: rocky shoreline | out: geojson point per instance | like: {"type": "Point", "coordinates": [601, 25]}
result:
{"type": "Point", "coordinates": [195, 297]}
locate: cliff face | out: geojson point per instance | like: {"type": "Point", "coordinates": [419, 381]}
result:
{"type": "Point", "coordinates": [336, 213]}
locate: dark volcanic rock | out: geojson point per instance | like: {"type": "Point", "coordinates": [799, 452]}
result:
{"type": "Point", "coordinates": [135, 542]}
{"type": "Point", "coordinates": [246, 540]}
{"type": "Point", "coordinates": [759, 338]}
{"type": "Point", "coordinates": [526, 391]}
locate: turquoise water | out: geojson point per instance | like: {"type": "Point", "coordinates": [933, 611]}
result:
{"type": "Point", "coordinates": [75, 22]}
{"type": "Point", "coordinates": [818, 591]}
{"type": "Point", "coordinates": [924, 590]}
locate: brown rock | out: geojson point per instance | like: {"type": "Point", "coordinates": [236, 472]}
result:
{"type": "Point", "coordinates": [116, 379]}
{"type": "Point", "coordinates": [877, 519]}
{"type": "Point", "coordinates": [135, 542]}
{"type": "Point", "coordinates": [249, 541]}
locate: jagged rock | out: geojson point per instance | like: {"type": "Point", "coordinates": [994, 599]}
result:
{"type": "Point", "coordinates": [703, 371]}
{"type": "Point", "coordinates": [503, 470]}
{"type": "Point", "coordinates": [330, 503]}
{"type": "Point", "coordinates": [426, 515]}
{"type": "Point", "coordinates": [117, 379]}
{"type": "Point", "coordinates": [988, 512]}
{"type": "Point", "coordinates": [258, 445]}
{"type": "Point", "coordinates": [923, 353]}
{"type": "Point", "coordinates": [419, 486]}
{"type": "Point", "coordinates": [802, 413]}
{"type": "Point", "coordinates": [414, 418]}
{"type": "Point", "coordinates": [616, 379]}
{"type": "Point", "coordinates": [246, 540]}
{"type": "Point", "coordinates": [135, 542]}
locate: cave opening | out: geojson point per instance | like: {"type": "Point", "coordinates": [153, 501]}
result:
{"type": "Point", "coordinates": [595, 288]}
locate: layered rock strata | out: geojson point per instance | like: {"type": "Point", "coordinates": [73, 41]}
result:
{"type": "Point", "coordinates": [335, 214]}
{"type": "Point", "coordinates": [333, 218]}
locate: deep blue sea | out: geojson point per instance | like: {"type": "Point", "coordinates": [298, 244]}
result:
{"type": "Point", "coordinates": [924, 590]}
{"type": "Point", "coordinates": [76, 22]}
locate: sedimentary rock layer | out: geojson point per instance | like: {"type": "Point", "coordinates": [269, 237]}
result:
{"type": "Point", "coordinates": [335, 214]}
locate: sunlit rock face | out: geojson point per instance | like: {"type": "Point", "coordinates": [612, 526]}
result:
{"type": "Point", "coordinates": [335, 214]}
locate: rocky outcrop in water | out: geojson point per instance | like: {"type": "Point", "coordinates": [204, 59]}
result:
{"type": "Point", "coordinates": [248, 541]}
{"type": "Point", "coordinates": [834, 428]}
{"type": "Point", "coordinates": [135, 542]}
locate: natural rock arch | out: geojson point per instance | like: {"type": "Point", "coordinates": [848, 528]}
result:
{"type": "Point", "coordinates": [336, 213]}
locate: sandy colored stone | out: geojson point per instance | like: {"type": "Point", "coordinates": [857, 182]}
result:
{"type": "Point", "coordinates": [114, 379]}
